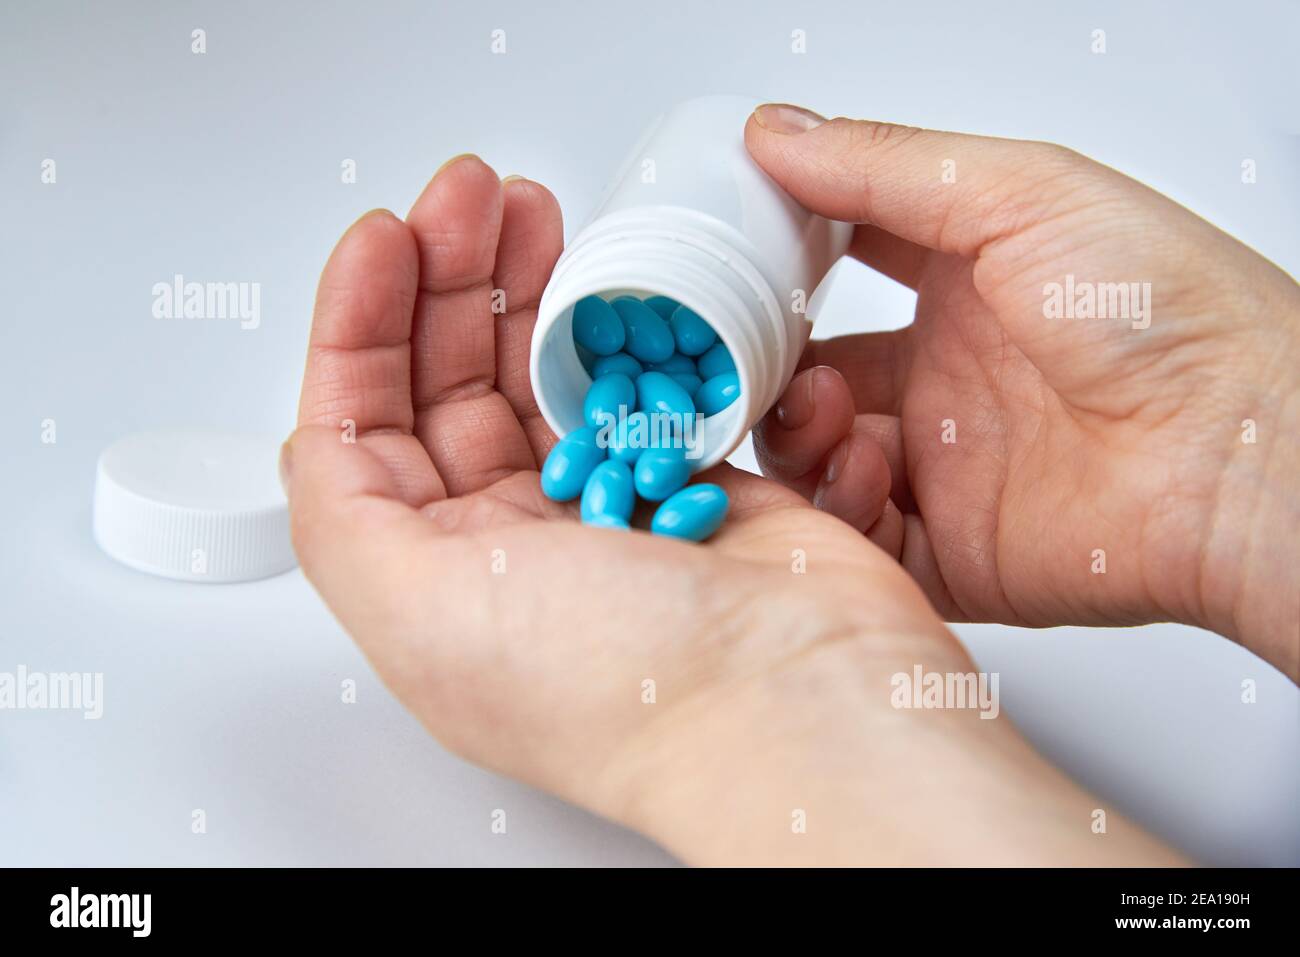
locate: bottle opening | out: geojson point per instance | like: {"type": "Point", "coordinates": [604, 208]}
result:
{"type": "Point", "coordinates": [562, 375]}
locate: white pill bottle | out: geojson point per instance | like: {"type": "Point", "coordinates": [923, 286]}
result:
{"type": "Point", "coordinates": [692, 217]}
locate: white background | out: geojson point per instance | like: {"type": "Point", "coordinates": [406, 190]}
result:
{"type": "Point", "coordinates": [226, 167]}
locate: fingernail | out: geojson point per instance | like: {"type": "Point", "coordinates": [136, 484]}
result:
{"type": "Point", "coordinates": [513, 177]}
{"type": "Point", "coordinates": [380, 211]}
{"type": "Point", "coordinates": [836, 464]}
{"type": "Point", "coordinates": [825, 491]}
{"type": "Point", "coordinates": [784, 118]}
{"type": "Point", "coordinates": [286, 467]}
{"type": "Point", "coordinates": [797, 406]}
{"type": "Point", "coordinates": [454, 160]}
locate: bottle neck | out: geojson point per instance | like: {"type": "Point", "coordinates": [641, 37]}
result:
{"type": "Point", "coordinates": [692, 259]}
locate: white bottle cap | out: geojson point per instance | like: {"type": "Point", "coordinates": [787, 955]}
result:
{"type": "Point", "coordinates": [195, 505]}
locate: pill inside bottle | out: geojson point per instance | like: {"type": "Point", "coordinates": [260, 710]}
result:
{"type": "Point", "coordinates": [689, 281]}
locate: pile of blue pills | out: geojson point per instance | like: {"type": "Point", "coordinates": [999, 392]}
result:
{"type": "Point", "coordinates": [656, 369]}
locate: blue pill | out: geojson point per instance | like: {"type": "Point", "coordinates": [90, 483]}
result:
{"type": "Point", "coordinates": [692, 334]}
{"type": "Point", "coordinates": [609, 397]}
{"type": "Point", "coordinates": [674, 363]}
{"type": "Point", "coordinates": [586, 357]}
{"type": "Point", "coordinates": [717, 393]}
{"type": "Point", "coordinates": [607, 521]}
{"type": "Point", "coordinates": [609, 490]}
{"type": "Point", "coordinates": [656, 392]}
{"type": "Point", "coordinates": [565, 470]}
{"type": "Point", "coordinates": [596, 326]}
{"type": "Point", "coordinates": [619, 362]}
{"type": "Point", "coordinates": [648, 337]}
{"type": "Point", "coordinates": [694, 513]}
{"type": "Point", "coordinates": [715, 362]}
{"type": "Point", "coordinates": [627, 442]}
{"type": "Point", "coordinates": [662, 305]}
{"type": "Point", "coordinates": [688, 381]}
{"type": "Point", "coordinates": [660, 472]}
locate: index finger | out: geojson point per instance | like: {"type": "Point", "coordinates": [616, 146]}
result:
{"type": "Point", "coordinates": [358, 375]}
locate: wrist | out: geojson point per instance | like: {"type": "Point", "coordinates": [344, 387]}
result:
{"type": "Point", "coordinates": [1254, 547]}
{"type": "Point", "coordinates": [812, 763]}
{"type": "Point", "coordinates": [1250, 590]}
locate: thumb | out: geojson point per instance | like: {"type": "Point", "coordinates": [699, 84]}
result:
{"type": "Point", "coordinates": [945, 191]}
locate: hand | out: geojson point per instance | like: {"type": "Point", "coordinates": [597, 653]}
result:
{"type": "Point", "coordinates": [524, 640]}
{"type": "Point", "coordinates": [1024, 447]}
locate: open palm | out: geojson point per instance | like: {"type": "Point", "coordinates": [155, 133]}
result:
{"type": "Point", "coordinates": [520, 637]}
